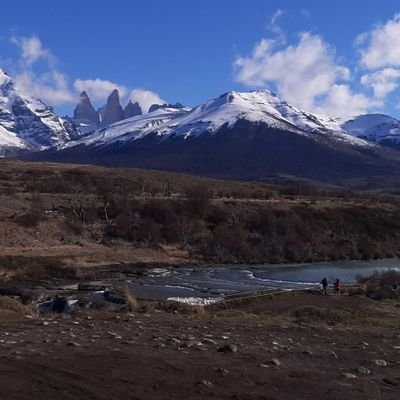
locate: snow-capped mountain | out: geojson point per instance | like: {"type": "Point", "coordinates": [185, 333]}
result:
{"type": "Point", "coordinates": [132, 128]}
{"type": "Point", "coordinates": [250, 135]}
{"type": "Point", "coordinates": [262, 107]}
{"type": "Point", "coordinates": [377, 128]}
{"type": "Point", "coordinates": [27, 124]}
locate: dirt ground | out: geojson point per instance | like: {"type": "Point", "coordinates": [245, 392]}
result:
{"type": "Point", "coordinates": [297, 347]}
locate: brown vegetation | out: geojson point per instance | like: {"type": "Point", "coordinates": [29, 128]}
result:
{"type": "Point", "coordinates": [381, 285]}
{"type": "Point", "coordinates": [203, 220]}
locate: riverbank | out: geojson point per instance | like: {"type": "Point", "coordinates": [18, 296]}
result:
{"type": "Point", "coordinates": [291, 347]}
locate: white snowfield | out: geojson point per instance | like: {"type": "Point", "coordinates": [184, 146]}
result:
{"type": "Point", "coordinates": [261, 106]}
{"type": "Point", "coordinates": [131, 129]}
{"type": "Point", "coordinates": [374, 127]}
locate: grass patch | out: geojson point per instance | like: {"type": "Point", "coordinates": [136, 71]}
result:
{"type": "Point", "coordinates": [131, 300]}
{"type": "Point", "coordinates": [13, 305]}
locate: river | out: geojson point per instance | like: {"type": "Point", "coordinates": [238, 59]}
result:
{"type": "Point", "coordinates": [214, 282]}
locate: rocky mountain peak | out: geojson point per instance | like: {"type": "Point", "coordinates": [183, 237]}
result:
{"type": "Point", "coordinates": [27, 123]}
{"type": "Point", "coordinates": [112, 111]}
{"type": "Point", "coordinates": [85, 110]}
{"type": "Point", "coordinates": [132, 110]}
{"type": "Point", "coordinates": [155, 107]}
{"type": "Point", "coordinates": [5, 80]}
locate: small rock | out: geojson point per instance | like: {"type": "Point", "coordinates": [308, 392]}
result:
{"type": "Point", "coordinates": [209, 341]}
{"type": "Point", "coordinates": [308, 352]}
{"type": "Point", "coordinates": [205, 382]}
{"type": "Point", "coordinates": [331, 354]}
{"type": "Point", "coordinates": [348, 375]}
{"type": "Point", "coordinates": [73, 344]}
{"type": "Point", "coordinates": [192, 343]}
{"type": "Point", "coordinates": [363, 371]}
{"type": "Point", "coordinates": [223, 371]}
{"type": "Point", "coordinates": [264, 366]}
{"type": "Point", "coordinates": [276, 362]}
{"type": "Point", "coordinates": [228, 348]}
{"type": "Point", "coordinates": [380, 363]}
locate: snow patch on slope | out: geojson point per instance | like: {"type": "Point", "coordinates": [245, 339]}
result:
{"type": "Point", "coordinates": [130, 129]}
{"type": "Point", "coordinates": [373, 127]}
{"type": "Point", "coordinates": [256, 107]}
{"type": "Point", "coordinates": [28, 123]}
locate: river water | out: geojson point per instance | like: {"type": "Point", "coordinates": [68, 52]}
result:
{"type": "Point", "coordinates": [214, 282]}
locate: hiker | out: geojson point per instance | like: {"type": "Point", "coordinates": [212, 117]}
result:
{"type": "Point", "coordinates": [337, 287]}
{"type": "Point", "coordinates": [324, 286]}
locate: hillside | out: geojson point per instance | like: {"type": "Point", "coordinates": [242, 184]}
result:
{"type": "Point", "coordinates": [54, 216]}
{"type": "Point", "coordinates": [247, 136]}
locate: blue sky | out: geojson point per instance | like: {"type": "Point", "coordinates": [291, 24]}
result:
{"type": "Point", "coordinates": [338, 58]}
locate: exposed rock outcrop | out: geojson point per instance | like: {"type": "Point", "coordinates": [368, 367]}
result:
{"type": "Point", "coordinates": [155, 107]}
{"type": "Point", "coordinates": [112, 111]}
{"type": "Point", "coordinates": [132, 110]}
{"type": "Point", "coordinates": [27, 124]}
{"type": "Point", "coordinates": [85, 111]}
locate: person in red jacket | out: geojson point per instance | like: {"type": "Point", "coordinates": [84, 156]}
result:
{"type": "Point", "coordinates": [337, 287]}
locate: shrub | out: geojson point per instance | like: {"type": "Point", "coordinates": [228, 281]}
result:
{"type": "Point", "coordinates": [381, 285]}
{"type": "Point", "coordinates": [131, 300]}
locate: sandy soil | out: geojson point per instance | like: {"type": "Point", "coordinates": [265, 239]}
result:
{"type": "Point", "coordinates": [284, 351]}
{"type": "Point", "coordinates": [95, 255]}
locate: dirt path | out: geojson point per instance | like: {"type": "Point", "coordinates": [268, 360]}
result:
{"type": "Point", "coordinates": [291, 348]}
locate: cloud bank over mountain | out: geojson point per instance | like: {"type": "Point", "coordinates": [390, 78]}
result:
{"type": "Point", "coordinates": [310, 74]}
{"type": "Point", "coordinates": [55, 87]}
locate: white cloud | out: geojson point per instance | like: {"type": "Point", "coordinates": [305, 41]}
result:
{"type": "Point", "coordinates": [382, 82]}
{"type": "Point", "coordinates": [145, 98]}
{"type": "Point", "coordinates": [382, 45]}
{"type": "Point", "coordinates": [341, 101]}
{"type": "Point", "coordinates": [32, 49]}
{"type": "Point", "coordinates": [51, 87]}
{"type": "Point", "coordinates": [277, 14]}
{"type": "Point", "coordinates": [302, 73]}
{"type": "Point", "coordinates": [99, 89]}
{"type": "Point", "coordinates": [275, 28]}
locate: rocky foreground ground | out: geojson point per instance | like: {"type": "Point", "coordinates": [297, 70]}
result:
{"type": "Point", "coordinates": [295, 347]}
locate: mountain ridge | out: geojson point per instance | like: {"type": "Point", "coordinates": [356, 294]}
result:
{"type": "Point", "coordinates": [245, 135]}
{"type": "Point", "coordinates": [28, 124]}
